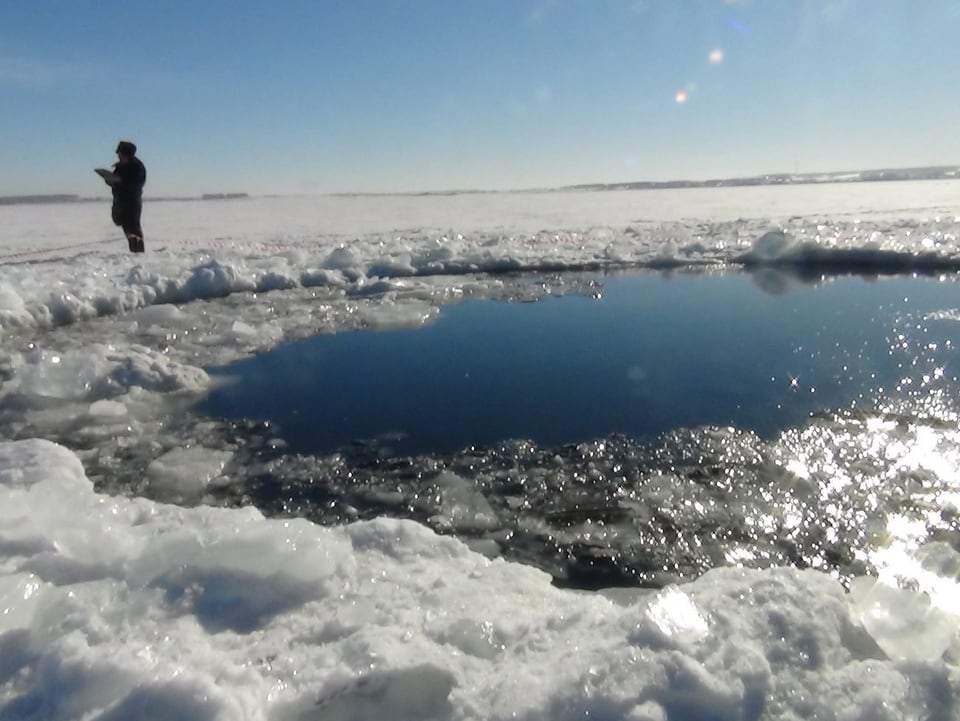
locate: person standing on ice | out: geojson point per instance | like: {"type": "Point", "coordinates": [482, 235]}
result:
{"type": "Point", "coordinates": [127, 180]}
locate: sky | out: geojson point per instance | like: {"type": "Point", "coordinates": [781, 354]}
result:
{"type": "Point", "coordinates": [326, 96]}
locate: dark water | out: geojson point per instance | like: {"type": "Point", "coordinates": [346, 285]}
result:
{"type": "Point", "coordinates": [638, 431]}
{"type": "Point", "coordinates": [647, 355]}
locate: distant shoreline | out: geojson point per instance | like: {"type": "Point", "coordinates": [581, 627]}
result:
{"type": "Point", "coordinates": [938, 172]}
{"type": "Point", "coordinates": [67, 198]}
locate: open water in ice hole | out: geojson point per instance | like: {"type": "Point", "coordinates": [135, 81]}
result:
{"type": "Point", "coordinates": [646, 355]}
{"type": "Point", "coordinates": [615, 437]}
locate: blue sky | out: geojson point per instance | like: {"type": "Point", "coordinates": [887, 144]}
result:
{"type": "Point", "coordinates": [409, 95]}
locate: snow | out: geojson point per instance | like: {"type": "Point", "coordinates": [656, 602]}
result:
{"type": "Point", "coordinates": [114, 606]}
{"type": "Point", "coordinates": [202, 249]}
{"type": "Point", "coordinates": [125, 607]}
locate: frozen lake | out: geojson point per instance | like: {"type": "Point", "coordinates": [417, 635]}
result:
{"type": "Point", "coordinates": [748, 547]}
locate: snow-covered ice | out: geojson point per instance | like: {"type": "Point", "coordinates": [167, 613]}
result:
{"type": "Point", "coordinates": [121, 606]}
{"type": "Point", "coordinates": [211, 249]}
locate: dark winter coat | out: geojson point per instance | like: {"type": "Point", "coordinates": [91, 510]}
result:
{"type": "Point", "coordinates": [128, 193]}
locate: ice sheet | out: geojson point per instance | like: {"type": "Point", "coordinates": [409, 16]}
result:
{"type": "Point", "coordinates": [203, 249]}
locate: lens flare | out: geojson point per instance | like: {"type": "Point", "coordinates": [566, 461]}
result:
{"type": "Point", "coordinates": [716, 56]}
{"type": "Point", "coordinates": [681, 97]}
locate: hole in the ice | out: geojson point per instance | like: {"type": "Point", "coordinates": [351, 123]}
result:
{"type": "Point", "coordinates": [648, 354]}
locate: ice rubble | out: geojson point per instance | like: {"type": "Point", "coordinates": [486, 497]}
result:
{"type": "Point", "coordinates": [116, 607]}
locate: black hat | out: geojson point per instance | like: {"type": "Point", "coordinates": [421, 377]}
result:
{"type": "Point", "coordinates": [125, 147]}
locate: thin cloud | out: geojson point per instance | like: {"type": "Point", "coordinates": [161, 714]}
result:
{"type": "Point", "coordinates": [540, 11]}
{"type": "Point", "coordinates": [837, 11]}
{"type": "Point", "coordinates": [537, 101]}
{"type": "Point", "coordinates": [34, 72]}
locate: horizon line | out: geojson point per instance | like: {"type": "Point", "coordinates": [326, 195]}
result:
{"type": "Point", "coordinates": [782, 178]}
